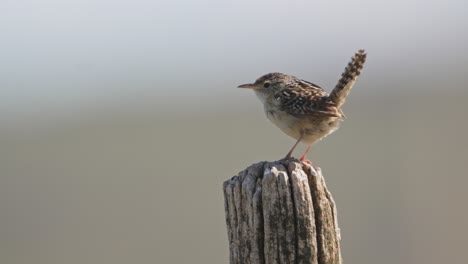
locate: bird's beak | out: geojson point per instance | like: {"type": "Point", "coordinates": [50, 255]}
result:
{"type": "Point", "coordinates": [248, 86]}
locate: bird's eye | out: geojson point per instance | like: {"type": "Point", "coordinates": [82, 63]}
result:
{"type": "Point", "coordinates": [266, 85]}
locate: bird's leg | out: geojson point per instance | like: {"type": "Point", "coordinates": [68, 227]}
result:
{"type": "Point", "coordinates": [288, 156]}
{"type": "Point", "coordinates": [303, 157]}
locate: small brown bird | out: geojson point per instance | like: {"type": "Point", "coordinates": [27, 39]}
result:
{"type": "Point", "coordinates": [303, 110]}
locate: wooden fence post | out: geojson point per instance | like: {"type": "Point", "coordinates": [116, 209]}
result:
{"type": "Point", "coordinates": [281, 212]}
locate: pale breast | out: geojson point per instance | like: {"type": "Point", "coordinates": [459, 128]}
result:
{"type": "Point", "coordinates": [312, 127]}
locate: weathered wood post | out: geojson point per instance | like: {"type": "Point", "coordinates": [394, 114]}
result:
{"type": "Point", "coordinates": [281, 212]}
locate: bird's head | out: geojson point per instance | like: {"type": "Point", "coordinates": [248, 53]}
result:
{"type": "Point", "coordinates": [269, 83]}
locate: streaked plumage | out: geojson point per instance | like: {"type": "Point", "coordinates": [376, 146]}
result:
{"type": "Point", "coordinates": [301, 109]}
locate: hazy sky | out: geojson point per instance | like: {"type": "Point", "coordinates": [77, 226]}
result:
{"type": "Point", "coordinates": [62, 56]}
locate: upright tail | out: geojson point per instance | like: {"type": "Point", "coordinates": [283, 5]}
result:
{"type": "Point", "coordinates": [348, 78]}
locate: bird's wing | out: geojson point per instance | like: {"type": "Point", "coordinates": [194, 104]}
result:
{"type": "Point", "coordinates": [305, 98]}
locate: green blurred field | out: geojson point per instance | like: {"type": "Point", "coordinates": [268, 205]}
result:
{"type": "Point", "coordinates": [138, 189]}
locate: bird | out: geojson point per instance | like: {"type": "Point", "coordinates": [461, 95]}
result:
{"type": "Point", "coordinates": [303, 110]}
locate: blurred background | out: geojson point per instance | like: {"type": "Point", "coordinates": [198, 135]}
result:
{"type": "Point", "coordinates": [119, 121]}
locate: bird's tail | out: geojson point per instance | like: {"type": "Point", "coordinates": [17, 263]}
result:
{"type": "Point", "coordinates": [348, 78]}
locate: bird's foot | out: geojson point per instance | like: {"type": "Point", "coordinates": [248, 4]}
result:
{"type": "Point", "coordinates": [308, 166]}
{"type": "Point", "coordinates": [306, 161]}
{"type": "Point", "coordinates": [304, 158]}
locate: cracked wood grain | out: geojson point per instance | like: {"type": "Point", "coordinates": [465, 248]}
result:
{"type": "Point", "coordinates": [281, 212]}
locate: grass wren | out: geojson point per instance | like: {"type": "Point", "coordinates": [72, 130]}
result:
{"type": "Point", "coordinates": [303, 110]}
